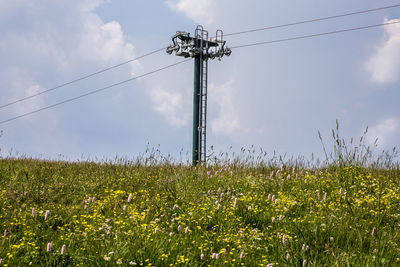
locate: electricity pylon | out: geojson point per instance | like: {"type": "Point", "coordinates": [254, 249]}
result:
{"type": "Point", "coordinates": [201, 48]}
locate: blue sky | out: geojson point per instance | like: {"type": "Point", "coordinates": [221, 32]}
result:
{"type": "Point", "coordinates": [275, 97]}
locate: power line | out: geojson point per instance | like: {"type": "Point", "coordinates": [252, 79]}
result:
{"type": "Point", "coordinates": [81, 78]}
{"type": "Point", "coordinates": [229, 34]}
{"type": "Point", "coordinates": [313, 20]}
{"type": "Point", "coordinates": [92, 92]}
{"type": "Point", "coordinates": [315, 35]}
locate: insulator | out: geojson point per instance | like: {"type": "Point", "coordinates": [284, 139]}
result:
{"type": "Point", "coordinates": [228, 52]}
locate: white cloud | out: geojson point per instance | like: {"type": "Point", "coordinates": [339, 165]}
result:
{"type": "Point", "coordinates": [202, 12]}
{"type": "Point", "coordinates": [45, 43]}
{"type": "Point", "coordinates": [387, 132]}
{"type": "Point", "coordinates": [227, 121]}
{"type": "Point", "coordinates": [171, 106]}
{"type": "Point", "coordinates": [384, 65]}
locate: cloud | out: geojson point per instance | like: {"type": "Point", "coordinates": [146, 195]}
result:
{"type": "Point", "coordinates": [384, 64]}
{"type": "Point", "coordinates": [171, 105]}
{"type": "Point", "coordinates": [387, 132]}
{"type": "Point", "coordinates": [227, 121]}
{"type": "Point", "coordinates": [45, 43]}
{"type": "Point", "coordinates": [202, 12]}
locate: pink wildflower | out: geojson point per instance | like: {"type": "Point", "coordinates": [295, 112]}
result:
{"type": "Point", "coordinates": [47, 214]}
{"type": "Point", "coordinates": [63, 248]}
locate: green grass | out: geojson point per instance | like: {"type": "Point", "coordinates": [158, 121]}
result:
{"type": "Point", "coordinates": [337, 215]}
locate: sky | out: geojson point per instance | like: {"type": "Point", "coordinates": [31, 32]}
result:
{"type": "Point", "coordinates": [273, 97]}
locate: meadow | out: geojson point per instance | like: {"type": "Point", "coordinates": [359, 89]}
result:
{"type": "Point", "coordinates": [233, 213]}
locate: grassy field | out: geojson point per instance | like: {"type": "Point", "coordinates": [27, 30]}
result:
{"type": "Point", "coordinates": [93, 214]}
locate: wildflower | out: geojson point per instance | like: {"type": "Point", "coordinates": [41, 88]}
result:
{"type": "Point", "coordinates": [276, 201]}
{"type": "Point", "coordinates": [169, 240]}
{"type": "Point", "coordinates": [33, 212]}
{"type": "Point", "coordinates": [269, 196]}
{"type": "Point", "coordinates": [341, 191]}
{"type": "Point", "coordinates": [280, 217]}
{"type": "Point", "coordinates": [235, 202]}
{"type": "Point", "coordinates": [284, 240]}
{"type": "Point", "coordinates": [273, 198]}
{"type": "Point", "coordinates": [214, 255]}
{"type": "Point", "coordinates": [129, 198]}
{"type": "Point", "coordinates": [106, 258]}
{"type": "Point", "coordinates": [124, 207]}
{"type": "Point", "coordinates": [305, 247]}
{"type": "Point", "coordinates": [249, 208]}
{"type": "Point", "coordinates": [208, 173]}
{"type": "Point", "coordinates": [287, 256]}
{"type": "Point", "coordinates": [119, 262]}
{"type": "Point", "coordinates": [175, 207]}
{"type": "Point", "coordinates": [1, 261]}
{"type": "Point", "coordinates": [186, 230]}
{"type": "Point", "coordinates": [373, 231]}
{"type": "Point", "coordinates": [63, 248]}
{"type": "Point", "coordinates": [325, 195]}
{"type": "Point", "coordinates": [93, 199]}
{"type": "Point", "coordinates": [49, 246]}
{"type": "Point", "coordinates": [47, 214]}
{"type": "Point", "coordinates": [273, 219]}
{"type": "Point", "coordinates": [202, 256]}
{"type": "Point", "coordinates": [156, 230]}
{"type": "Point", "coordinates": [304, 263]}
{"type": "Point", "coordinates": [241, 255]}
{"type": "Point", "coordinates": [179, 228]}
{"type": "Point", "coordinates": [219, 206]}
{"type": "Point", "coordinates": [5, 233]}
{"type": "Point", "coordinates": [170, 234]}
{"type": "Point", "coordinates": [132, 263]}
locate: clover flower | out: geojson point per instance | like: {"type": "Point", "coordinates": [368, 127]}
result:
{"type": "Point", "coordinates": [63, 248]}
{"type": "Point", "coordinates": [46, 215]}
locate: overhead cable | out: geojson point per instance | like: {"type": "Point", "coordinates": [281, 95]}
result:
{"type": "Point", "coordinates": [315, 35]}
{"type": "Point", "coordinates": [91, 92]}
{"type": "Point", "coordinates": [313, 20]}
{"type": "Point", "coordinates": [81, 78]}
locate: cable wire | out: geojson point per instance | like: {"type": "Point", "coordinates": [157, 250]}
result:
{"type": "Point", "coordinates": [81, 78]}
{"type": "Point", "coordinates": [313, 20]}
{"type": "Point", "coordinates": [315, 35]}
{"type": "Point", "coordinates": [229, 34]}
{"type": "Point", "coordinates": [92, 92]}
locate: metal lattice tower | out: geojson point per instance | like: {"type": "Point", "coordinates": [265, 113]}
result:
{"type": "Point", "coordinates": [201, 48]}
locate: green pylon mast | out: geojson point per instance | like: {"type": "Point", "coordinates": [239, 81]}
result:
{"type": "Point", "coordinates": [201, 48]}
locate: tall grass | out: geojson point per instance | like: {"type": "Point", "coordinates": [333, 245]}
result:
{"type": "Point", "coordinates": [247, 209]}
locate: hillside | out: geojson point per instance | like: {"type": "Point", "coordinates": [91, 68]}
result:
{"type": "Point", "coordinates": [92, 214]}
